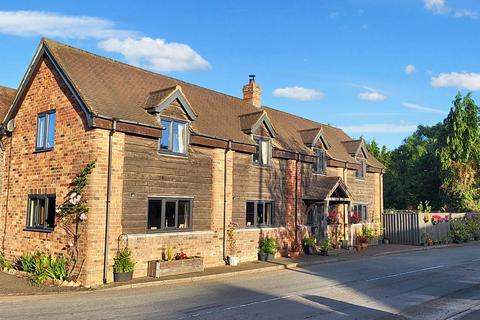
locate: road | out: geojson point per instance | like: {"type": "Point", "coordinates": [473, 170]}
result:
{"type": "Point", "coordinates": [432, 284]}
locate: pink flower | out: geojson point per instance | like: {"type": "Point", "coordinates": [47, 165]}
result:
{"type": "Point", "coordinates": [83, 217]}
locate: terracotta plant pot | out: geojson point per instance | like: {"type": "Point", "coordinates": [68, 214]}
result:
{"type": "Point", "coordinates": [294, 254]}
{"type": "Point", "coordinates": [364, 245]}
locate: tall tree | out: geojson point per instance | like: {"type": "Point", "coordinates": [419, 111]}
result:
{"type": "Point", "coordinates": [459, 156]}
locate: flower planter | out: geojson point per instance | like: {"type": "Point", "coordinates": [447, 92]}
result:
{"type": "Point", "coordinates": [364, 245]}
{"type": "Point", "coordinates": [122, 276]}
{"type": "Point", "coordinates": [233, 261]}
{"type": "Point", "coordinates": [265, 256]}
{"type": "Point", "coordinates": [324, 252]}
{"type": "Point", "coordinates": [157, 268]}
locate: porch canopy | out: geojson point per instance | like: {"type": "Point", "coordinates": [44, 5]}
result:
{"type": "Point", "coordinates": [328, 190]}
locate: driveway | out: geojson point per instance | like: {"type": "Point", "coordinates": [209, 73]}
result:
{"type": "Point", "coordinates": [433, 284]}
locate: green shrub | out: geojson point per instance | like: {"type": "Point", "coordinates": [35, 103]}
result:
{"type": "Point", "coordinates": [368, 232]}
{"type": "Point", "coordinates": [325, 245]}
{"type": "Point", "coordinates": [269, 245]}
{"type": "Point", "coordinates": [43, 266]}
{"type": "Point", "coordinates": [4, 263]}
{"type": "Point", "coordinates": [459, 231]}
{"type": "Point", "coordinates": [124, 261]}
{"type": "Point", "coordinates": [309, 241]}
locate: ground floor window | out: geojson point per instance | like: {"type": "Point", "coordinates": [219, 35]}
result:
{"type": "Point", "coordinates": [41, 212]}
{"type": "Point", "coordinates": [169, 213]}
{"type": "Point", "coordinates": [361, 210]}
{"type": "Point", "coordinates": [259, 213]}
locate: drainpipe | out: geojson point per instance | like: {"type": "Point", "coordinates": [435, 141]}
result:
{"type": "Point", "coordinates": [7, 196]}
{"type": "Point", "coordinates": [229, 147]}
{"type": "Point", "coordinates": [296, 196]}
{"type": "Point", "coordinates": [107, 212]}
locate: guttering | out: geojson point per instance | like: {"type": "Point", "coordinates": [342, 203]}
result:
{"type": "Point", "coordinates": [107, 210]}
{"type": "Point", "coordinates": [225, 202]}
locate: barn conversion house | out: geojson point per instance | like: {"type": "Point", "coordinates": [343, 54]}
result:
{"type": "Point", "coordinates": [175, 164]}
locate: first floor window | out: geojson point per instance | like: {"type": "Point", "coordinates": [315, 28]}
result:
{"type": "Point", "coordinates": [174, 136]}
{"type": "Point", "coordinates": [361, 210]}
{"type": "Point", "coordinates": [360, 174]}
{"type": "Point", "coordinates": [46, 123]}
{"type": "Point", "coordinates": [320, 164]}
{"type": "Point", "coordinates": [263, 151]}
{"type": "Point", "coordinates": [41, 212]}
{"type": "Point", "coordinates": [259, 213]}
{"type": "Point", "coordinates": [169, 213]}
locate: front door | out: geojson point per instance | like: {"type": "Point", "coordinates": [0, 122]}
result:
{"type": "Point", "coordinates": [317, 221]}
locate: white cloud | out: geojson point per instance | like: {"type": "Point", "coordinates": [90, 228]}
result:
{"type": "Point", "coordinates": [156, 54]}
{"type": "Point", "coordinates": [39, 23]}
{"type": "Point", "coordinates": [437, 6]}
{"type": "Point", "coordinates": [410, 68]}
{"type": "Point", "coordinates": [460, 80]}
{"type": "Point", "coordinates": [372, 96]}
{"type": "Point", "coordinates": [298, 93]}
{"type": "Point", "coordinates": [440, 7]}
{"type": "Point", "coordinates": [380, 128]}
{"type": "Point", "coordinates": [422, 108]}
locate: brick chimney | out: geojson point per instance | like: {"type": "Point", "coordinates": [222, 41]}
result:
{"type": "Point", "coordinates": [252, 93]}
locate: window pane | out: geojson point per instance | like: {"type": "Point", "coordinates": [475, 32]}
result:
{"type": "Point", "coordinates": [41, 132]}
{"type": "Point", "coordinates": [265, 151]}
{"type": "Point", "coordinates": [50, 219]}
{"type": "Point", "coordinates": [41, 213]}
{"type": "Point", "coordinates": [154, 214]}
{"type": "Point", "coordinates": [170, 214]}
{"type": "Point", "coordinates": [183, 214]}
{"type": "Point", "coordinates": [31, 213]}
{"type": "Point", "coordinates": [51, 130]}
{"type": "Point", "coordinates": [179, 137]}
{"type": "Point", "coordinates": [250, 221]}
{"type": "Point", "coordinates": [268, 212]}
{"type": "Point", "coordinates": [165, 140]}
{"type": "Point", "coordinates": [260, 213]}
{"type": "Point", "coordinates": [256, 155]}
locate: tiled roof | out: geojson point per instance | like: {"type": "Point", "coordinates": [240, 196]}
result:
{"type": "Point", "coordinates": [6, 98]}
{"type": "Point", "coordinates": [114, 89]}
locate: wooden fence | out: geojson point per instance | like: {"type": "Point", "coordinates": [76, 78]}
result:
{"type": "Point", "coordinates": [409, 227]}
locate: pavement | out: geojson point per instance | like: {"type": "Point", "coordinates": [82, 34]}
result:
{"type": "Point", "coordinates": [420, 284]}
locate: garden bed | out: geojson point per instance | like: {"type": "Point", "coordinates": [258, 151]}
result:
{"type": "Point", "coordinates": [158, 268]}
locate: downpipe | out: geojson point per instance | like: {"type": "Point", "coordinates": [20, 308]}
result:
{"type": "Point", "coordinates": [225, 202]}
{"type": "Point", "coordinates": [107, 211]}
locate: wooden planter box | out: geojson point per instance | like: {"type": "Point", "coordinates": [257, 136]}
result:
{"type": "Point", "coordinates": [157, 268]}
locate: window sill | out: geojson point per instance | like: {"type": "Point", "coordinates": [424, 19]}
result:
{"type": "Point", "coordinates": [38, 230]}
{"type": "Point", "coordinates": [262, 166]}
{"type": "Point", "coordinates": [170, 230]}
{"type": "Point", "coordinates": [171, 233]}
{"type": "Point", "coordinates": [173, 154]}
{"type": "Point", "coordinates": [43, 150]}
{"type": "Point", "coordinates": [319, 174]}
{"type": "Point", "coordinates": [257, 228]}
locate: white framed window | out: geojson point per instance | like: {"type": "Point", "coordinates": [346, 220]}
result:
{"type": "Point", "coordinates": [263, 152]}
{"type": "Point", "coordinates": [361, 210]}
{"type": "Point", "coordinates": [174, 137]}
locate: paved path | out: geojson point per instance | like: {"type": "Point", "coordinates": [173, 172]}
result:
{"type": "Point", "coordinates": [434, 284]}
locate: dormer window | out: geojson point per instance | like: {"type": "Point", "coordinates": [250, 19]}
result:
{"type": "Point", "coordinates": [263, 152]}
{"type": "Point", "coordinates": [320, 164]}
{"type": "Point", "coordinates": [360, 174]}
{"type": "Point", "coordinates": [174, 137]}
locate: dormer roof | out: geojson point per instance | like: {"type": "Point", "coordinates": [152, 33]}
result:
{"type": "Point", "coordinates": [160, 99]}
{"type": "Point", "coordinates": [250, 122]}
{"type": "Point", "coordinates": [311, 137]}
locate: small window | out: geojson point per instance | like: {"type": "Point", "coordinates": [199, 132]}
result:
{"type": "Point", "coordinates": [174, 137]}
{"type": "Point", "coordinates": [361, 210]}
{"type": "Point", "coordinates": [263, 153]}
{"type": "Point", "coordinates": [169, 214]}
{"type": "Point", "coordinates": [320, 164]}
{"type": "Point", "coordinates": [360, 174]}
{"type": "Point", "coordinates": [259, 213]}
{"type": "Point", "coordinates": [46, 123]}
{"type": "Point", "coordinates": [41, 212]}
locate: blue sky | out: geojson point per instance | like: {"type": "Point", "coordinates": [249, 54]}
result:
{"type": "Point", "coordinates": [374, 68]}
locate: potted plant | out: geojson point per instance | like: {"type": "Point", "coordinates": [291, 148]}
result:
{"type": "Point", "coordinates": [124, 265]}
{"type": "Point", "coordinates": [325, 246]}
{"type": "Point", "coordinates": [232, 244]}
{"type": "Point", "coordinates": [308, 244]}
{"type": "Point", "coordinates": [332, 218]}
{"type": "Point", "coordinates": [268, 248]}
{"type": "Point", "coordinates": [355, 218]}
{"type": "Point", "coordinates": [365, 237]}
{"type": "Point", "coordinates": [295, 250]}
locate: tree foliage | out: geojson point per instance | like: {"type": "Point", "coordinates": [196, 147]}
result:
{"type": "Point", "coordinates": [437, 163]}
